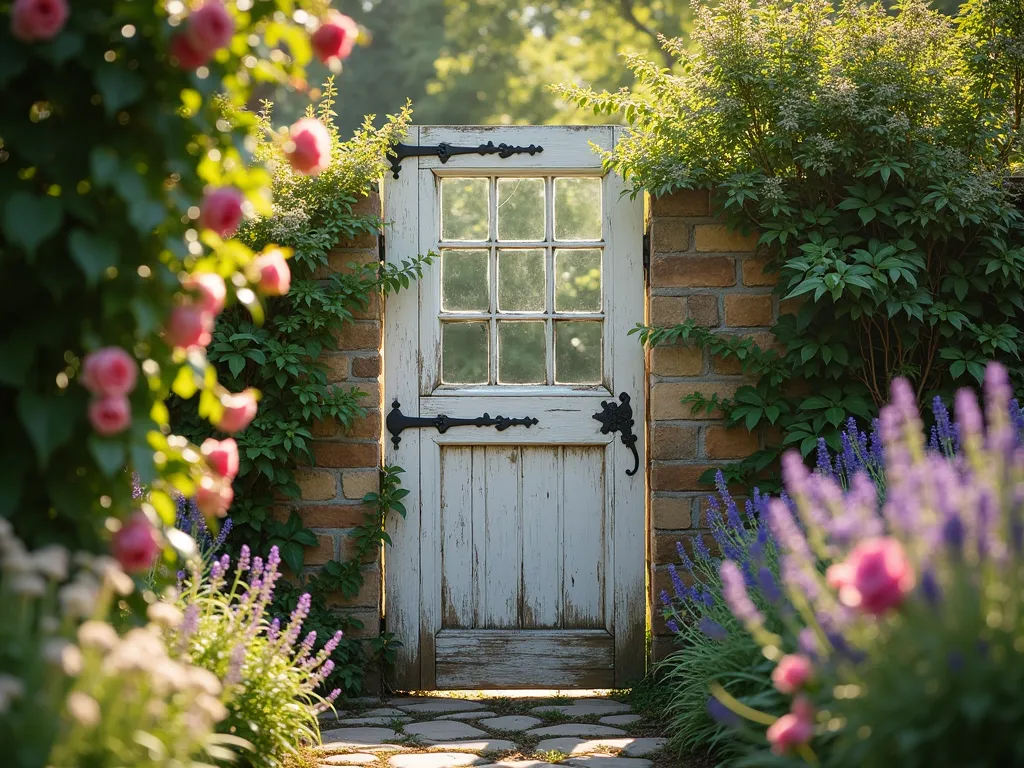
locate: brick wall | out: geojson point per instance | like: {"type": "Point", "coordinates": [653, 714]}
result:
{"type": "Point", "coordinates": [700, 269]}
{"type": "Point", "coordinates": [347, 464]}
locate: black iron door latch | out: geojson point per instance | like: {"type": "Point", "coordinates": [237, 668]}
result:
{"type": "Point", "coordinates": [445, 151]}
{"type": "Point", "coordinates": [397, 422]}
{"type": "Point", "coordinates": [618, 417]}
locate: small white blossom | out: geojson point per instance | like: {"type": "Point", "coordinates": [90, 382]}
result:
{"type": "Point", "coordinates": [83, 708]}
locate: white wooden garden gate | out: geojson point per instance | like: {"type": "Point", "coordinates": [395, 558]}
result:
{"type": "Point", "coordinates": [520, 563]}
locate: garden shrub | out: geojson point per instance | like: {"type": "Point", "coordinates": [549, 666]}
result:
{"type": "Point", "coordinates": [905, 644]}
{"type": "Point", "coordinates": [871, 150]}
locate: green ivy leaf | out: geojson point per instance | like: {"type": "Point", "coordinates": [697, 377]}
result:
{"type": "Point", "coordinates": [94, 254]}
{"type": "Point", "coordinates": [29, 220]}
{"type": "Point", "coordinates": [49, 421]}
{"type": "Point", "coordinates": [110, 454]}
{"type": "Point", "coordinates": [119, 87]}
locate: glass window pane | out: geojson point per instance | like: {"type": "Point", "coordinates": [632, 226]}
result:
{"type": "Point", "coordinates": [464, 281]}
{"type": "Point", "coordinates": [464, 353]}
{"type": "Point", "coordinates": [522, 353]}
{"type": "Point", "coordinates": [520, 209]}
{"type": "Point", "coordinates": [578, 352]}
{"type": "Point", "coordinates": [577, 209]}
{"type": "Point", "coordinates": [465, 208]}
{"type": "Point", "coordinates": [521, 280]}
{"type": "Point", "coordinates": [578, 280]}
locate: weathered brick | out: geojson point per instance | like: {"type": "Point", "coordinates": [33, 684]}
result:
{"type": "Point", "coordinates": [348, 262]}
{"type": "Point", "coordinates": [729, 366]}
{"type": "Point", "coordinates": [678, 477]}
{"type": "Point", "coordinates": [792, 306]}
{"type": "Point", "coordinates": [323, 552]}
{"type": "Point", "coordinates": [333, 515]}
{"type": "Point", "coordinates": [683, 202]}
{"type": "Point", "coordinates": [662, 579]}
{"type": "Point", "coordinates": [717, 238]}
{"type": "Point", "coordinates": [368, 206]}
{"type": "Point", "coordinates": [368, 426]}
{"type": "Point", "coordinates": [703, 309]}
{"type": "Point", "coordinates": [667, 310]}
{"type": "Point", "coordinates": [372, 311]}
{"type": "Point", "coordinates": [669, 441]}
{"type": "Point", "coordinates": [371, 390]}
{"type": "Point", "coordinates": [688, 271]}
{"type": "Point", "coordinates": [366, 367]}
{"type": "Point", "coordinates": [722, 442]}
{"type": "Point", "coordinates": [345, 455]}
{"type": "Point", "coordinates": [666, 399]}
{"type": "Point", "coordinates": [680, 360]}
{"type": "Point", "coordinates": [362, 240]}
{"type": "Point", "coordinates": [370, 619]}
{"type": "Point", "coordinates": [348, 550]}
{"type": "Point", "coordinates": [360, 335]}
{"type": "Point", "coordinates": [670, 512]}
{"type": "Point", "coordinates": [670, 235]}
{"type": "Point", "coordinates": [316, 485]}
{"type": "Point", "coordinates": [329, 428]}
{"type": "Point", "coordinates": [337, 367]}
{"type": "Point", "coordinates": [743, 310]}
{"type": "Point", "coordinates": [754, 271]}
{"type": "Point", "coordinates": [368, 595]}
{"type": "Point", "coordinates": [355, 485]}
{"type": "Point", "coordinates": [663, 646]}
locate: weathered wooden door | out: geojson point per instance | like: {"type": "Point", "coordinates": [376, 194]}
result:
{"type": "Point", "coordinates": [521, 560]}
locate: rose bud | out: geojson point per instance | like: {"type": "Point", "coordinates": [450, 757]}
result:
{"type": "Point", "coordinates": [308, 147]}
{"type": "Point", "coordinates": [221, 456]}
{"type": "Point", "coordinates": [185, 55]}
{"type": "Point", "coordinates": [275, 278]}
{"type": "Point", "coordinates": [221, 210]}
{"type": "Point", "coordinates": [109, 371]}
{"type": "Point", "coordinates": [214, 496]}
{"type": "Point", "coordinates": [792, 672]}
{"type": "Point", "coordinates": [33, 20]}
{"type": "Point", "coordinates": [110, 414]}
{"type": "Point", "coordinates": [210, 290]}
{"type": "Point", "coordinates": [239, 410]}
{"type": "Point", "coordinates": [209, 27]}
{"type": "Point", "coordinates": [188, 326]}
{"type": "Point", "coordinates": [135, 545]}
{"type": "Point", "coordinates": [335, 37]}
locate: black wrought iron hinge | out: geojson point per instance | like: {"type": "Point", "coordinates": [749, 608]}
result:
{"type": "Point", "coordinates": [445, 151]}
{"type": "Point", "coordinates": [647, 254]}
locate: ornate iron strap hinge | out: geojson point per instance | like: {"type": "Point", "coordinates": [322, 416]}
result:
{"type": "Point", "coordinates": [445, 151]}
{"type": "Point", "coordinates": [397, 422]}
{"type": "Point", "coordinates": [618, 417]}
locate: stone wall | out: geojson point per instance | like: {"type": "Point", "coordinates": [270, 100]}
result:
{"type": "Point", "coordinates": [699, 269]}
{"type": "Point", "coordinates": [347, 464]}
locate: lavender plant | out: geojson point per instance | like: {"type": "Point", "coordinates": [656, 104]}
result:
{"type": "Point", "coordinates": [905, 643]}
{"type": "Point", "coordinates": [267, 667]}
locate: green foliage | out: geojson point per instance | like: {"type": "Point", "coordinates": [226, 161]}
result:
{"type": "Point", "coordinates": [871, 150]}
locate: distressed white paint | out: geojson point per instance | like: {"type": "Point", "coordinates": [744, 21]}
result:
{"type": "Point", "coordinates": [521, 563]}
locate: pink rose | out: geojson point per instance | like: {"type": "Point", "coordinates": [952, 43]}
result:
{"type": "Point", "coordinates": [185, 55]}
{"type": "Point", "coordinates": [110, 414]}
{"type": "Point", "coordinates": [239, 410]}
{"type": "Point", "coordinates": [309, 146]}
{"type": "Point", "coordinates": [222, 210]}
{"type": "Point", "coordinates": [38, 19]}
{"type": "Point", "coordinates": [221, 456]}
{"type": "Point", "coordinates": [275, 278]}
{"type": "Point", "coordinates": [209, 27]}
{"type": "Point", "coordinates": [793, 729]}
{"type": "Point", "coordinates": [792, 672]}
{"type": "Point", "coordinates": [214, 496]}
{"type": "Point", "coordinates": [875, 577]}
{"type": "Point", "coordinates": [189, 326]}
{"type": "Point", "coordinates": [210, 289]}
{"type": "Point", "coordinates": [135, 545]}
{"type": "Point", "coordinates": [109, 371]}
{"type": "Point", "coordinates": [335, 37]}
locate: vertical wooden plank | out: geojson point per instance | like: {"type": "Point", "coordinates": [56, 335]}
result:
{"type": "Point", "coordinates": [430, 551]}
{"type": "Point", "coordinates": [585, 569]}
{"type": "Point", "coordinates": [629, 494]}
{"type": "Point", "coordinates": [456, 537]}
{"type": "Point", "coordinates": [542, 537]}
{"type": "Point", "coordinates": [478, 493]}
{"type": "Point", "coordinates": [501, 578]}
{"type": "Point", "coordinates": [401, 350]}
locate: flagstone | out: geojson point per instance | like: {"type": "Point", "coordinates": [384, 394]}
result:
{"type": "Point", "coordinates": [443, 730]}
{"type": "Point", "coordinates": [436, 760]}
{"type": "Point", "coordinates": [511, 722]}
{"type": "Point", "coordinates": [576, 729]}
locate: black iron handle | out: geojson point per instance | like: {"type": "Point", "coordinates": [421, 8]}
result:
{"type": "Point", "coordinates": [618, 417]}
{"type": "Point", "coordinates": [397, 422]}
{"type": "Point", "coordinates": [445, 151]}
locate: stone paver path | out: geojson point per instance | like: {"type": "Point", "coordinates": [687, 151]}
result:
{"type": "Point", "coordinates": [490, 732]}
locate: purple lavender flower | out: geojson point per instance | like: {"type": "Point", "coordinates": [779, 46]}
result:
{"type": "Point", "coordinates": [673, 626]}
{"type": "Point", "coordinates": [234, 673]}
{"type": "Point", "coordinates": [712, 629]}
{"type": "Point", "coordinates": [722, 714]}
{"type": "Point", "coordinates": [700, 547]}
{"type": "Point", "coordinates": [734, 590]}
{"type": "Point", "coordinates": [243, 559]}
{"type": "Point", "coordinates": [930, 588]}
{"type": "Point", "coordinates": [677, 583]}
{"type": "Point", "coordinates": [274, 630]}
{"type": "Point", "coordinates": [786, 531]}
{"type": "Point", "coordinates": [968, 416]}
{"type": "Point", "coordinates": [683, 557]}
{"type": "Point", "coordinates": [766, 584]}
{"type": "Point", "coordinates": [823, 466]}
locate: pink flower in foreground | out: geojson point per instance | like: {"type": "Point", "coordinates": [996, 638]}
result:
{"type": "Point", "coordinates": [335, 37]}
{"type": "Point", "coordinates": [793, 729]}
{"type": "Point", "coordinates": [214, 496]}
{"type": "Point", "coordinates": [239, 410]}
{"type": "Point", "coordinates": [189, 325]}
{"type": "Point", "coordinates": [135, 545]}
{"type": "Point", "coordinates": [209, 27]}
{"type": "Point", "coordinates": [792, 672]}
{"type": "Point", "coordinates": [33, 20]}
{"type": "Point", "coordinates": [221, 456]}
{"type": "Point", "coordinates": [275, 278]}
{"type": "Point", "coordinates": [221, 210]}
{"type": "Point", "coordinates": [210, 289]}
{"type": "Point", "coordinates": [308, 147]}
{"type": "Point", "coordinates": [109, 371]}
{"type": "Point", "coordinates": [185, 54]}
{"type": "Point", "coordinates": [875, 577]}
{"type": "Point", "coordinates": [110, 414]}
